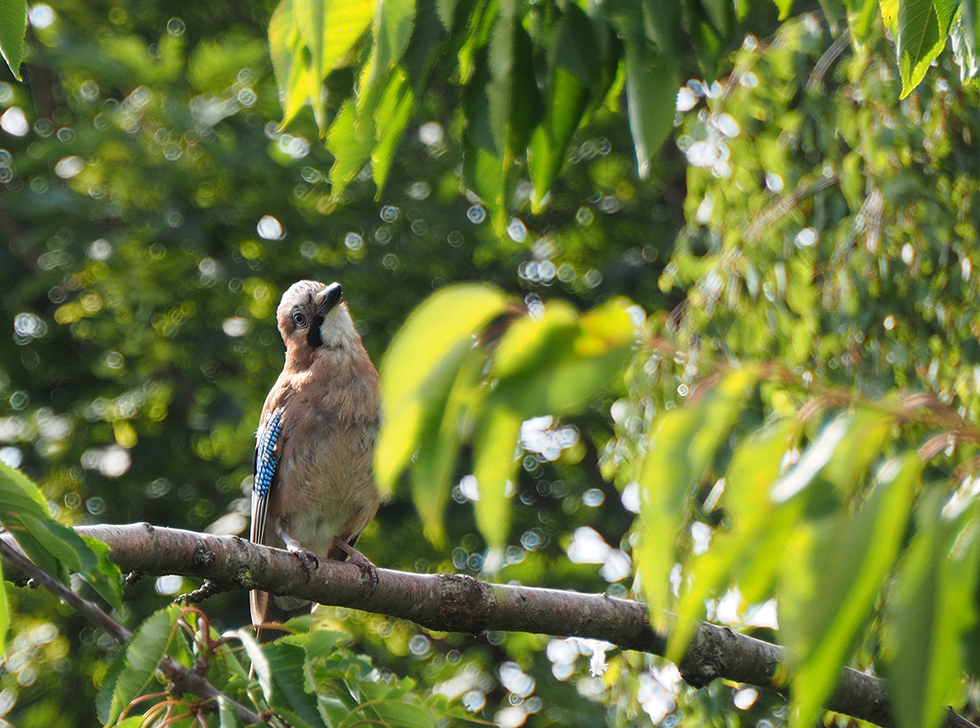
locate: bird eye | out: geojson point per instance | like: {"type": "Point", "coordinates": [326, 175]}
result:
{"type": "Point", "coordinates": [299, 318]}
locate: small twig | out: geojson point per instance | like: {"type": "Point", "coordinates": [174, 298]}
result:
{"type": "Point", "coordinates": [184, 679]}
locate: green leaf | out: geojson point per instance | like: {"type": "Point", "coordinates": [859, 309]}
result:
{"type": "Point", "coordinates": [54, 548]}
{"type": "Point", "coordinates": [391, 118]}
{"type": "Point", "coordinates": [501, 104]}
{"type": "Point", "coordinates": [135, 668]}
{"type": "Point", "coordinates": [290, 61]}
{"type": "Point", "coordinates": [784, 7]}
{"type": "Point", "coordinates": [260, 663]}
{"type": "Point", "coordinates": [441, 442]}
{"type": "Point", "coordinates": [227, 715]}
{"type": "Point", "coordinates": [4, 616]}
{"type": "Point", "coordinates": [661, 24]}
{"type": "Point", "coordinates": [755, 465]}
{"type": "Point", "coordinates": [679, 452]}
{"type": "Point", "coordinates": [393, 24]}
{"type": "Point", "coordinates": [558, 363]}
{"type": "Point", "coordinates": [833, 571]}
{"type": "Point", "coordinates": [572, 78]}
{"type": "Point", "coordinates": [651, 86]}
{"type": "Point", "coordinates": [932, 610]}
{"type": "Point", "coordinates": [293, 698]}
{"type": "Point", "coordinates": [860, 18]}
{"type": "Point", "coordinates": [329, 29]}
{"type": "Point", "coordinates": [495, 463]}
{"type": "Point", "coordinates": [421, 365]}
{"type": "Point", "coordinates": [13, 30]}
{"type": "Point", "coordinates": [350, 141]}
{"type": "Point", "coordinates": [104, 576]}
{"type": "Point", "coordinates": [923, 27]}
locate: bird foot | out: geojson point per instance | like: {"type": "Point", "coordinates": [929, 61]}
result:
{"type": "Point", "coordinates": [368, 570]}
{"type": "Point", "coordinates": [304, 555]}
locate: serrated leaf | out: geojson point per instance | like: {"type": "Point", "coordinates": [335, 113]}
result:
{"type": "Point", "coordinates": [290, 61]}
{"type": "Point", "coordinates": [679, 452]}
{"type": "Point", "coordinates": [350, 141]}
{"type": "Point", "coordinates": [421, 364]}
{"type": "Point", "coordinates": [138, 663]}
{"type": "Point", "coordinates": [227, 715]}
{"type": "Point", "coordinates": [832, 575]}
{"type": "Point", "coordinates": [13, 30]}
{"type": "Point", "coordinates": [495, 463]}
{"type": "Point", "coordinates": [391, 118]}
{"type": "Point", "coordinates": [923, 27]}
{"type": "Point", "coordinates": [393, 24]}
{"type": "Point", "coordinates": [292, 696]}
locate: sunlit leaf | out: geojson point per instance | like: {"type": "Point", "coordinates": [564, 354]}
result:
{"type": "Point", "coordinates": [923, 27]}
{"type": "Point", "coordinates": [135, 668]}
{"type": "Point", "coordinates": [350, 140]}
{"type": "Point", "coordinates": [391, 118]}
{"type": "Point", "coordinates": [227, 715]}
{"type": "Point", "coordinates": [495, 463]}
{"type": "Point", "coordinates": [680, 451]}
{"type": "Point", "coordinates": [440, 445]}
{"type": "Point", "coordinates": [932, 610]}
{"type": "Point", "coordinates": [393, 24]}
{"type": "Point", "coordinates": [833, 572]}
{"type": "Point", "coordinates": [557, 363]}
{"type": "Point", "coordinates": [13, 28]}
{"type": "Point", "coordinates": [4, 616]}
{"type": "Point", "coordinates": [294, 74]}
{"type": "Point", "coordinates": [421, 364]}
{"type": "Point", "coordinates": [755, 465]}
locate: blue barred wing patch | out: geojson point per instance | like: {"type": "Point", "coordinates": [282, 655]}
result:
{"type": "Point", "coordinates": [265, 456]}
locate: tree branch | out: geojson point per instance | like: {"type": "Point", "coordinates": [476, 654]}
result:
{"type": "Point", "coordinates": [458, 603]}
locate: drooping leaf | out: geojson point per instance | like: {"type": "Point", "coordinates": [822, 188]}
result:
{"type": "Point", "coordinates": [441, 442]}
{"type": "Point", "coordinates": [350, 140]}
{"type": "Point", "coordinates": [679, 452]}
{"type": "Point", "coordinates": [391, 118]}
{"type": "Point", "coordinates": [572, 79]}
{"type": "Point", "coordinates": [104, 576]}
{"type": "Point", "coordinates": [290, 61]}
{"type": "Point", "coordinates": [755, 465]}
{"type": "Point", "coordinates": [394, 21]}
{"type": "Point", "coordinates": [501, 104]}
{"type": "Point", "coordinates": [13, 29]}
{"type": "Point", "coordinates": [135, 667]}
{"type": "Point", "coordinates": [833, 571]}
{"type": "Point", "coordinates": [923, 27]}
{"type": "Point", "coordinates": [4, 616]}
{"type": "Point", "coordinates": [495, 463]}
{"type": "Point", "coordinates": [932, 610]}
{"type": "Point", "coordinates": [651, 86]}
{"type": "Point", "coordinates": [421, 364]}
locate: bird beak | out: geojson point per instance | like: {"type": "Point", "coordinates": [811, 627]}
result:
{"type": "Point", "coordinates": [331, 297]}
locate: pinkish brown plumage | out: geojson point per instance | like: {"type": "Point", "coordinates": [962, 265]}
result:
{"type": "Point", "coordinates": [314, 489]}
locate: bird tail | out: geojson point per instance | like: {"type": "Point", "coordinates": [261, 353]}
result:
{"type": "Point", "coordinates": [267, 608]}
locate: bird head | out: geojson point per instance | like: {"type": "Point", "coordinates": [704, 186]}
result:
{"type": "Point", "coordinates": [312, 317]}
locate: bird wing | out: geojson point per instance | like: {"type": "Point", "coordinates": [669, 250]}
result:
{"type": "Point", "coordinates": [264, 471]}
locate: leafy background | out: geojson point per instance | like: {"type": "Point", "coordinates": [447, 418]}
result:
{"type": "Point", "coordinates": [809, 210]}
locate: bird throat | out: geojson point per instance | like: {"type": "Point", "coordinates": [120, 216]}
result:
{"type": "Point", "coordinates": [313, 336]}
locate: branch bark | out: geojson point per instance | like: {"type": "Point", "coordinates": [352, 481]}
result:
{"type": "Point", "coordinates": [458, 603]}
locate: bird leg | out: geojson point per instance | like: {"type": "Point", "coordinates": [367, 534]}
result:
{"type": "Point", "coordinates": [304, 555]}
{"type": "Point", "coordinates": [360, 560]}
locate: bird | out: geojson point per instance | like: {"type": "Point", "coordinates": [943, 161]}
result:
{"type": "Point", "coordinates": [313, 486]}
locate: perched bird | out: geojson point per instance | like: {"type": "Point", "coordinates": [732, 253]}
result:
{"type": "Point", "coordinates": [313, 488]}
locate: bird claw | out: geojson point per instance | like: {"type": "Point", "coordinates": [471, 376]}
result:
{"type": "Point", "coordinates": [305, 556]}
{"type": "Point", "coordinates": [368, 570]}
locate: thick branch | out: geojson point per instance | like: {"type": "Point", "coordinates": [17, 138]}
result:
{"type": "Point", "coordinates": [456, 603]}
